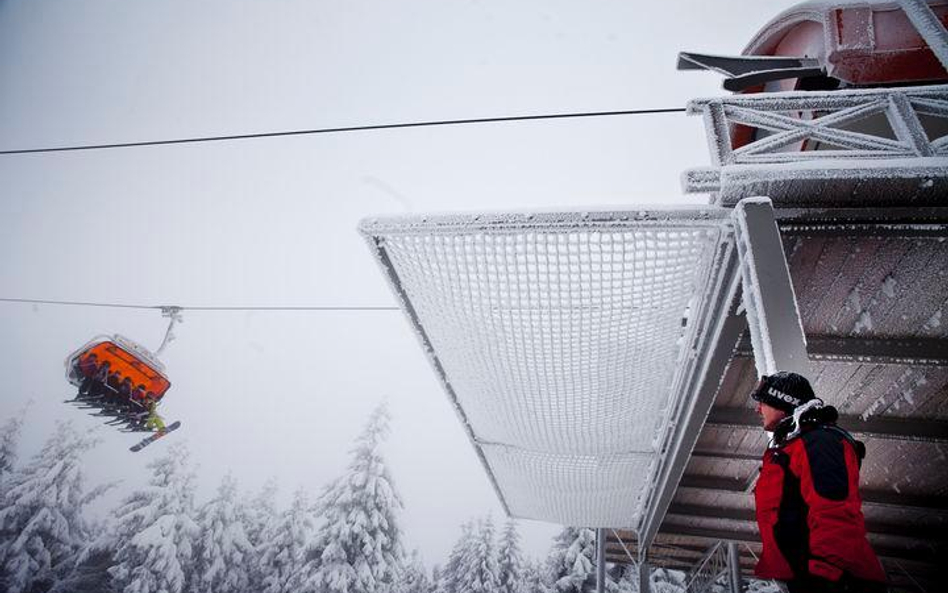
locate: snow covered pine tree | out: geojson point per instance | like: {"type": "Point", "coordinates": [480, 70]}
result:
{"type": "Point", "coordinates": [224, 556]}
{"type": "Point", "coordinates": [155, 529]}
{"type": "Point", "coordinates": [571, 561]}
{"type": "Point", "coordinates": [531, 577]}
{"type": "Point", "coordinates": [261, 523]}
{"type": "Point", "coordinates": [414, 577]}
{"type": "Point", "coordinates": [510, 560]}
{"type": "Point", "coordinates": [479, 571]}
{"type": "Point", "coordinates": [360, 539]}
{"type": "Point", "coordinates": [42, 527]}
{"type": "Point", "coordinates": [449, 579]}
{"type": "Point", "coordinates": [284, 550]}
{"type": "Point", "coordinates": [9, 437]}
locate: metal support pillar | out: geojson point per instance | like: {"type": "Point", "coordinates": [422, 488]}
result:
{"type": "Point", "coordinates": [645, 584]}
{"type": "Point", "coordinates": [734, 568]}
{"type": "Point", "coordinates": [601, 560]}
{"type": "Point", "coordinates": [772, 314]}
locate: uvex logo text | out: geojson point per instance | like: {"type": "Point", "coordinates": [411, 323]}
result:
{"type": "Point", "coordinates": [783, 396]}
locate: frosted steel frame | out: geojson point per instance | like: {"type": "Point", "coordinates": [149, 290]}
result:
{"type": "Point", "coordinates": [709, 570]}
{"type": "Point", "coordinates": [534, 473]}
{"type": "Point", "coordinates": [928, 26]}
{"type": "Point", "coordinates": [773, 316]}
{"type": "Point", "coordinates": [897, 429]}
{"type": "Point", "coordinates": [901, 106]}
{"type": "Point", "coordinates": [745, 171]}
{"type": "Point", "coordinates": [716, 353]}
{"type": "Point", "coordinates": [918, 352]}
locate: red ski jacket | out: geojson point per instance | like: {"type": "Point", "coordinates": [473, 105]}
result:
{"type": "Point", "coordinates": [808, 507]}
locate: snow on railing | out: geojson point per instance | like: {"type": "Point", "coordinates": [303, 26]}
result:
{"type": "Point", "coordinates": [842, 134]}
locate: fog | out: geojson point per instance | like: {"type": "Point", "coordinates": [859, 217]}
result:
{"type": "Point", "coordinates": [271, 221]}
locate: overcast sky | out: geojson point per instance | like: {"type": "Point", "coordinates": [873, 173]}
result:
{"type": "Point", "coordinates": [272, 221]}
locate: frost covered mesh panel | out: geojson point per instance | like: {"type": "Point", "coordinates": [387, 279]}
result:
{"type": "Point", "coordinates": [576, 489]}
{"type": "Point", "coordinates": [560, 338]}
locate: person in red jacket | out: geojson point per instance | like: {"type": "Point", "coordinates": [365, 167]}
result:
{"type": "Point", "coordinates": [807, 496]}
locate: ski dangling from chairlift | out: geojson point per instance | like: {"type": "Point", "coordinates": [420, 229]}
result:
{"type": "Point", "coordinates": [122, 380]}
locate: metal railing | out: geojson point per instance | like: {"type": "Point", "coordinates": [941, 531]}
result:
{"type": "Point", "coordinates": [711, 570]}
{"type": "Point", "coordinates": [881, 128]}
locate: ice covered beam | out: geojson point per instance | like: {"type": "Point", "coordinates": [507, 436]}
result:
{"type": "Point", "coordinates": [688, 567]}
{"type": "Point", "coordinates": [910, 222]}
{"type": "Point", "coordinates": [912, 502]}
{"type": "Point", "coordinates": [715, 512]}
{"type": "Point", "coordinates": [870, 170]}
{"type": "Point", "coordinates": [928, 530]}
{"type": "Point", "coordinates": [901, 429]}
{"type": "Point", "coordinates": [687, 554]}
{"type": "Point", "coordinates": [730, 455]}
{"type": "Point", "coordinates": [624, 550]}
{"type": "Point", "coordinates": [716, 353]}
{"type": "Point", "coordinates": [914, 351]}
{"type": "Point", "coordinates": [717, 483]}
{"type": "Point", "coordinates": [684, 563]}
{"type": "Point", "coordinates": [909, 351]}
{"type": "Point", "coordinates": [879, 182]}
{"type": "Point", "coordinates": [684, 553]}
{"type": "Point", "coordinates": [929, 27]}
{"type": "Point", "coordinates": [875, 223]}
{"type": "Point", "coordinates": [772, 314]}
{"type": "Point", "coordinates": [734, 568]}
{"type": "Point", "coordinates": [601, 560]}
{"type": "Point", "coordinates": [927, 556]}
{"type": "Point", "coordinates": [865, 230]}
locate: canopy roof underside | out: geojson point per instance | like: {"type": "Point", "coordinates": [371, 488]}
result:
{"type": "Point", "coordinates": [568, 343]}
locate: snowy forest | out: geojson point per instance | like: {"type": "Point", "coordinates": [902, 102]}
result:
{"type": "Point", "coordinates": [346, 539]}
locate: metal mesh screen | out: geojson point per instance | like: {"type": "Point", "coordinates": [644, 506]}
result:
{"type": "Point", "coordinates": [559, 338]}
{"type": "Point", "coordinates": [576, 489]}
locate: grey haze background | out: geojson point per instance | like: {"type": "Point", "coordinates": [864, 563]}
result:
{"type": "Point", "coordinates": [272, 221]}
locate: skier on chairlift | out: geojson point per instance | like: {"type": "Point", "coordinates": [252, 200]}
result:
{"type": "Point", "coordinates": [98, 387]}
{"type": "Point", "coordinates": [124, 393]}
{"type": "Point", "coordinates": [124, 381]}
{"type": "Point", "coordinates": [154, 421]}
{"type": "Point", "coordinates": [88, 368]}
{"type": "Point", "coordinates": [138, 396]}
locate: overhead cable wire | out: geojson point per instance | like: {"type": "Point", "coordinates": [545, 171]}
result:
{"type": "Point", "coordinates": [197, 308]}
{"type": "Point", "coordinates": [364, 128]}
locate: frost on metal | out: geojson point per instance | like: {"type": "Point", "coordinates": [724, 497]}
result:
{"type": "Point", "coordinates": [928, 26]}
{"type": "Point", "coordinates": [773, 317]}
{"type": "Point", "coordinates": [563, 340]}
{"type": "Point", "coordinates": [822, 137]}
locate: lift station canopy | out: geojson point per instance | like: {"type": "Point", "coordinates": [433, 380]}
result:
{"type": "Point", "coordinates": [571, 345]}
